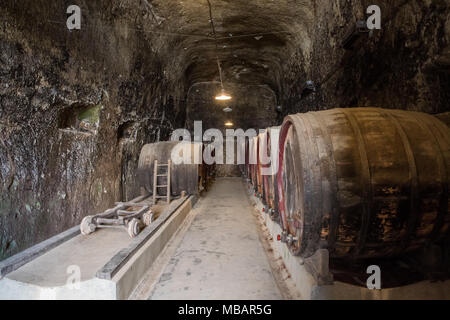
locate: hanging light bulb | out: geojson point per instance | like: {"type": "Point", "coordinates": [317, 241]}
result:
{"type": "Point", "coordinates": [223, 96]}
{"type": "Point", "coordinates": [229, 124]}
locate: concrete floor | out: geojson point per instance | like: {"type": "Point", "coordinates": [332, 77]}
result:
{"type": "Point", "coordinates": [220, 255]}
{"type": "Point", "coordinates": [89, 253]}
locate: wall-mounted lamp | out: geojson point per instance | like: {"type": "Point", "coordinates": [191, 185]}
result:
{"type": "Point", "coordinates": [229, 124]}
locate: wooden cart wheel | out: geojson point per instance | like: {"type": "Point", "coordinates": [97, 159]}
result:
{"type": "Point", "coordinates": [134, 227]}
{"type": "Point", "coordinates": [147, 217]}
{"type": "Point", "coordinates": [86, 226]}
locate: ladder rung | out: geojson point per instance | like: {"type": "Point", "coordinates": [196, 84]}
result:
{"type": "Point", "coordinates": [161, 173]}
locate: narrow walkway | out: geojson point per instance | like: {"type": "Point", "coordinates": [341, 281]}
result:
{"type": "Point", "coordinates": [220, 255]}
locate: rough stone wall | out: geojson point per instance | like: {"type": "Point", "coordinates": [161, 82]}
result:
{"type": "Point", "coordinates": [75, 109]}
{"type": "Point", "coordinates": [405, 65]}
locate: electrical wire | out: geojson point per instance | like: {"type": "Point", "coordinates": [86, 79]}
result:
{"type": "Point", "coordinates": [180, 34]}
{"type": "Point", "coordinates": [211, 20]}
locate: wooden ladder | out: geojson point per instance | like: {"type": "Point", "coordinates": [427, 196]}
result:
{"type": "Point", "coordinates": [156, 186]}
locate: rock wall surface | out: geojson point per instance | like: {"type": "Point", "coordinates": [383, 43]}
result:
{"type": "Point", "coordinates": [75, 109]}
{"type": "Point", "coordinates": [405, 65]}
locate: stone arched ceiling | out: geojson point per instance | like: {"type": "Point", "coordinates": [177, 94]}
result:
{"type": "Point", "coordinates": [253, 106]}
{"type": "Point", "coordinates": [253, 37]}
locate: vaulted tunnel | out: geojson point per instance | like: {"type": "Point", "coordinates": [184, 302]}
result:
{"type": "Point", "coordinates": [77, 106]}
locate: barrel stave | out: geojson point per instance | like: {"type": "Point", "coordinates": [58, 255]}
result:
{"type": "Point", "coordinates": [365, 182]}
{"type": "Point", "coordinates": [184, 177]}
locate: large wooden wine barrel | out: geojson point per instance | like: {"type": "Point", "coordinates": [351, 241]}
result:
{"type": "Point", "coordinates": [270, 180]}
{"type": "Point", "coordinates": [260, 145]}
{"type": "Point", "coordinates": [444, 117]}
{"type": "Point", "coordinates": [247, 162]}
{"type": "Point", "coordinates": [253, 156]}
{"type": "Point", "coordinates": [364, 182]}
{"type": "Point", "coordinates": [263, 164]}
{"type": "Point", "coordinates": [184, 177]}
{"type": "Point", "coordinates": [242, 152]}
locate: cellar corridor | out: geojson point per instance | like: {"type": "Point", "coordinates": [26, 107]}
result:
{"type": "Point", "coordinates": [218, 149]}
{"type": "Point", "coordinates": [220, 255]}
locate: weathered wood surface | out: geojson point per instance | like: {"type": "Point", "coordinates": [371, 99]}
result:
{"type": "Point", "coordinates": [253, 158]}
{"type": "Point", "coordinates": [123, 256]}
{"type": "Point", "coordinates": [269, 180]}
{"type": "Point", "coordinates": [184, 177]}
{"type": "Point", "coordinates": [260, 145]}
{"type": "Point", "coordinates": [444, 117]}
{"type": "Point", "coordinates": [364, 182]}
